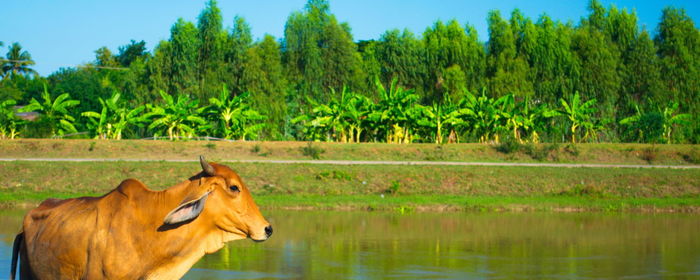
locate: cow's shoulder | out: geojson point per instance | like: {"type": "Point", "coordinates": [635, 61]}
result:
{"type": "Point", "coordinates": [131, 188]}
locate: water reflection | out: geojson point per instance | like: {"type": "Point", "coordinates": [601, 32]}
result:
{"type": "Point", "coordinates": [369, 245]}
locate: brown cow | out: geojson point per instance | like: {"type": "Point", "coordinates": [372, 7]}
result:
{"type": "Point", "coordinates": [136, 233]}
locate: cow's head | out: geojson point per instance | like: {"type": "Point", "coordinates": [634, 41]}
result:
{"type": "Point", "coordinates": [221, 198]}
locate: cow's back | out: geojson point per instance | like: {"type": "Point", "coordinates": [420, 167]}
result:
{"type": "Point", "coordinates": [57, 236]}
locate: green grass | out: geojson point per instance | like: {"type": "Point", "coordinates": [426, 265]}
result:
{"type": "Point", "coordinates": [361, 187]}
{"type": "Point", "coordinates": [479, 203]}
{"type": "Point", "coordinates": [190, 150]}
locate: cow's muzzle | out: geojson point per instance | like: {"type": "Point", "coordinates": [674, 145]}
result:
{"type": "Point", "coordinates": [268, 231]}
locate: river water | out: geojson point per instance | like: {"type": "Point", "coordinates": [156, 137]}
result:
{"type": "Point", "coordinates": [387, 245]}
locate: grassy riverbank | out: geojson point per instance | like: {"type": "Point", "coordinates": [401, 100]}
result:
{"type": "Point", "coordinates": [400, 188]}
{"type": "Point", "coordinates": [189, 150]}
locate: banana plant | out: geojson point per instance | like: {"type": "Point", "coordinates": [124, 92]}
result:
{"type": "Point", "coordinates": [176, 117]}
{"type": "Point", "coordinates": [580, 115]}
{"type": "Point", "coordinates": [54, 111]}
{"type": "Point", "coordinates": [394, 106]}
{"type": "Point", "coordinates": [537, 120]}
{"type": "Point", "coordinates": [234, 118]}
{"type": "Point", "coordinates": [9, 122]}
{"type": "Point", "coordinates": [356, 112]}
{"type": "Point", "coordinates": [482, 116]}
{"type": "Point", "coordinates": [114, 118]}
{"type": "Point", "coordinates": [671, 119]}
{"type": "Point", "coordinates": [319, 123]}
{"type": "Point", "coordinates": [436, 119]}
{"type": "Point", "coordinates": [524, 120]}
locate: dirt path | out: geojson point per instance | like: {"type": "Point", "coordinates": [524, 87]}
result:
{"type": "Point", "coordinates": [367, 162]}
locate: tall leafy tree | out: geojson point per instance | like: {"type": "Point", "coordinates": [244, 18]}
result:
{"type": "Point", "coordinates": [86, 85]}
{"type": "Point", "coordinates": [239, 42]}
{"type": "Point", "coordinates": [211, 50]}
{"type": "Point", "coordinates": [547, 47]}
{"type": "Point", "coordinates": [371, 65]}
{"type": "Point", "coordinates": [599, 60]}
{"type": "Point", "coordinates": [400, 56]}
{"type": "Point", "coordinates": [184, 54]}
{"type": "Point", "coordinates": [319, 51]}
{"type": "Point", "coordinates": [642, 79]}
{"type": "Point", "coordinates": [450, 46]}
{"type": "Point", "coordinates": [159, 69]}
{"type": "Point", "coordinates": [264, 78]}
{"type": "Point", "coordinates": [506, 71]}
{"type": "Point", "coordinates": [2, 60]}
{"type": "Point", "coordinates": [678, 41]}
{"type": "Point", "coordinates": [17, 62]}
{"type": "Point", "coordinates": [131, 52]}
{"type": "Point", "coordinates": [105, 58]}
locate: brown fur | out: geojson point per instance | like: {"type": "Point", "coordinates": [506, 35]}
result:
{"type": "Point", "coordinates": [121, 235]}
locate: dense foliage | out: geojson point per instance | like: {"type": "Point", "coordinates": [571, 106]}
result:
{"type": "Point", "coordinates": [602, 79]}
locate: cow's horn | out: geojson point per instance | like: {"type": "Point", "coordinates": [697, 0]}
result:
{"type": "Point", "coordinates": [206, 166]}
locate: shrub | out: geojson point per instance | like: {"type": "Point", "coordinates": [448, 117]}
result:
{"type": "Point", "coordinates": [394, 188]}
{"type": "Point", "coordinates": [572, 149]}
{"type": "Point", "coordinates": [540, 152]}
{"type": "Point", "coordinates": [312, 151]}
{"type": "Point", "coordinates": [693, 156]}
{"type": "Point", "coordinates": [508, 146]}
{"type": "Point", "coordinates": [649, 154]}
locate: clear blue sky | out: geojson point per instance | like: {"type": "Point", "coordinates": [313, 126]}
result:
{"type": "Point", "coordinates": [65, 33]}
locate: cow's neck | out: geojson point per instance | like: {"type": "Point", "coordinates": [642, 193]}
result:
{"type": "Point", "coordinates": [197, 239]}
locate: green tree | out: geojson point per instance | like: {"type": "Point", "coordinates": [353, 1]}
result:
{"type": "Point", "coordinates": [17, 62]}
{"type": "Point", "coordinates": [131, 52]}
{"type": "Point", "coordinates": [159, 70]}
{"type": "Point", "coordinates": [450, 46]}
{"type": "Point", "coordinates": [506, 71]}
{"type": "Point", "coordinates": [183, 51]}
{"type": "Point", "coordinates": [401, 56]}
{"type": "Point", "coordinates": [88, 81]}
{"type": "Point", "coordinates": [547, 47]}
{"type": "Point", "coordinates": [641, 75]}
{"type": "Point", "coordinates": [677, 39]}
{"type": "Point", "coordinates": [211, 49]}
{"type": "Point", "coordinates": [239, 42]}
{"type": "Point", "coordinates": [599, 60]}
{"type": "Point", "coordinates": [105, 58]}
{"type": "Point", "coordinates": [264, 78]}
{"type": "Point", "coordinates": [319, 51]}
{"type": "Point", "coordinates": [371, 66]}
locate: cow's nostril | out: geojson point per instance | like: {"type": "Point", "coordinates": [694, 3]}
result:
{"type": "Point", "coordinates": [268, 231]}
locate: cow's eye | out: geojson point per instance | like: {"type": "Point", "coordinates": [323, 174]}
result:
{"type": "Point", "coordinates": [234, 188]}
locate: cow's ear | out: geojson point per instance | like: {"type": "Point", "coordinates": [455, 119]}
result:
{"type": "Point", "coordinates": [186, 211]}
